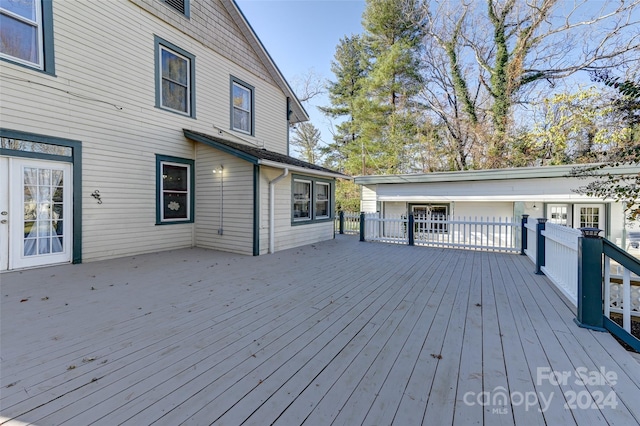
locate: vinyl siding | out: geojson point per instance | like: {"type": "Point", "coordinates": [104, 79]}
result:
{"type": "Point", "coordinates": [103, 95]}
{"type": "Point", "coordinates": [286, 235]}
{"type": "Point", "coordinates": [547, 189]}
{"type": "Point", "coordinates": [394, 209]}
{"type": "Point", "coordinates": [487, 209]}
{"type": "Point", "coordinates": [237, 206]}
{"type": "Point", "coordinates": [368, 201]}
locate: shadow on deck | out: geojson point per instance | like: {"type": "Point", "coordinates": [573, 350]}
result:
{"type": "Point", "coordinates": [340, 332]}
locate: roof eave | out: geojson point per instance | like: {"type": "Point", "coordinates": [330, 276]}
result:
{"type": "Point", "coordinates": [481, 175]}
{"type": "Point", "coordinates": [278, 165]}
{"type": "Point", "coordinates": [257, 160]}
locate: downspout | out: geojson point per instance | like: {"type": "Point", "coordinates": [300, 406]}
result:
{"type": "Point", "coordinates": [272, 209]}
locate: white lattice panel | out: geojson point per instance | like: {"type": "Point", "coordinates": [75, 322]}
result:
{"type": "Point", "coordinates": [615, 298]}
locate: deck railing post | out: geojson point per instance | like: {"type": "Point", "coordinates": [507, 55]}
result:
{"type": "Point", "coordinates": [589, 313]}
{"type": "Point", "coordinates": [523, 233]}
{"type": "Point", "coordinates": [362, 226]}
{"type": "Point", "coordinates": [341, 213]}
{"type": "Point", "coordinates": [540, 260]}
{"type": "Point", "coordinates": [410, 230]}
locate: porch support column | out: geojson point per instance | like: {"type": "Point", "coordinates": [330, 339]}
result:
{"type": "Point", "coordinates": [523, 233]}
{"type": "Point", "coordinates": [589, 313]}
{"type": "Point", "coordinates": [410, 230]}
{"type": "Point", "coordinates": [540, 260]}
{"type": "Point", "coordinates": [272, 209]}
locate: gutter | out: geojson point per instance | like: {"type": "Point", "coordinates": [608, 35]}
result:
{"type": "Point", "coordinates": [272, 208]}
{"type": "Point", "coordinates": [305, 170]}
{"type": "Point", "coordinates": [489, 174]}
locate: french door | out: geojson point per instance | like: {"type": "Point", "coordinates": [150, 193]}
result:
{"type": "Point", "coordinates": [35, 212]}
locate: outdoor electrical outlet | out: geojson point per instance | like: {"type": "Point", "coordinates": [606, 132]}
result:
{"type": "Point", "coordinates": [220, 231]}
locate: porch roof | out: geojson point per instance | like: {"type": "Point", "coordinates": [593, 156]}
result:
{"type": "Point", "coordinates": [261, 156]}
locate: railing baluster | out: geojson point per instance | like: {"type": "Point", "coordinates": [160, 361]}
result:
{"type": "Point", "coordinates": [475, 233]}
{"type": "Point", "coordinates": [626, 300]}
{"type": "Point", "coordinates": [607, 287]}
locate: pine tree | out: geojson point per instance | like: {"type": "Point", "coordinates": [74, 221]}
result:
{"type": "Point", "coordinates": [389, 112]}
{"type": "Point", "coordinates": [350, 66]}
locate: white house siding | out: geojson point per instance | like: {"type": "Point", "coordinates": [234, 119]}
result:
{"type": "Point", "coordinates": [618, 222]}
{"type": "Point", "coordinates": [368, 200]}
{"type": "Point", "coordinates": [394, 209]}
{"type": "Point", "coordinates": [237, 206]}
{"type": "Point", "coordinates": [485, 210]}
{"type": "Point", "coordinates": [542, 189]}
{"type": "Point", "coordinates": [286, 234]}
{"type": "Point", "coordinates": [103, 95]}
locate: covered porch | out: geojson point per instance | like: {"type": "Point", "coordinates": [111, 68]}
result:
{"type": "Point", "coordinates": [338, 332]}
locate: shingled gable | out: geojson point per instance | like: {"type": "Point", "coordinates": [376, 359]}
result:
{"type": "Point", "coordinates": [257, 155]}
{"type": "Point", "coordinates": [297, 112]}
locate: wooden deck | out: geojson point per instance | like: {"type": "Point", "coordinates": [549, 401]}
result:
{"type": "Point", "coordinates": [340, 332]}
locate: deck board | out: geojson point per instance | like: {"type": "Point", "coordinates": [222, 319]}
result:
{"type": "Point", "coordinates": [340, 332]}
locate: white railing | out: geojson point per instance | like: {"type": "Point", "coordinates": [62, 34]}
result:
{"type": "Point", "coordinates": [622, 290]}
{"type": "Point", "coordinates": [561, 258]}
{"type": "Point", "coordinates": [468, 233]}
{"type": "Point", "coordinates": [532, 239]}
{"type": "Point", "coordinates": [446, 231]}
{"type": "Point", "coordinates": [385, 229]}
{"type": "Point", "coordinates": [351, 223]}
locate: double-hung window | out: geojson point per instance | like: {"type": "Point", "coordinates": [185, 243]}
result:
{"type": "Point", "coordinates": [311, 199]}
{"type": "Point", "coordinates": [175, 78]}
{"type": "Point", "coordinates": [26, 33]}
{"type": "Point", "coordinates": [175, 185]}
{"type": "Point", "coordinates": [301, 199]}
{"type": "Point", "coordinates": [322, 200]}
{"type": "Point", "coordinates": [242, 106]}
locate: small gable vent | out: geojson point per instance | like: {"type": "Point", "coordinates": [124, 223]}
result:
{"type": "Point", "coordinates": [177, 5]}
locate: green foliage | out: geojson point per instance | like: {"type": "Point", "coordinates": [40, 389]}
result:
{"type": "Point", "coordinates": [347, 196]}
{"type": "Point", "coordinates": [377, 80]}
{"type": "Point", "coordinates": [623, 188]}
{"type": "Point", "coordinates": [442, 85]}
{"type": "Point", "coordinates": [578, 128]}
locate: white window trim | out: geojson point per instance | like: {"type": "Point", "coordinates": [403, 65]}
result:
{"type": "Point", "coordinates": [162, 78]}
{"type": "Point", "coordinates": [309, 200]}
{"type": "Point", "coordinates": [250, 110]}
{"type": "Point", "coordinates": [601, 212]}
{"type": "Point", "coordinates": [328, 200]}
{"type": "Point", "coordinates": [38, 25]}
{"type": "Point", "coordinates": [188, 192]}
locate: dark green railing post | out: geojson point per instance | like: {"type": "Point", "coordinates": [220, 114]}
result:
{"type": "Point", "coordinates": [540, 245]}
{"type": "Point", "coordinates": [523, 233]}
{"type": "Point", "coordinates": [361, 226]}
{"type": "Point", "coordinates": [341, 214]}
{"type": "Point", "coordinates": [589, 314]}
{"type": "Point", "coordinates": [410, 230]}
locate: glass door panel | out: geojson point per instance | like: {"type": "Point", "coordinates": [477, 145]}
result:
{"type": "Point", "coordinates": [40, 227]}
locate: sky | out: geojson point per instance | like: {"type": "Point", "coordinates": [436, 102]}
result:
{"type": "Point", "coordinates": [302, 35]}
